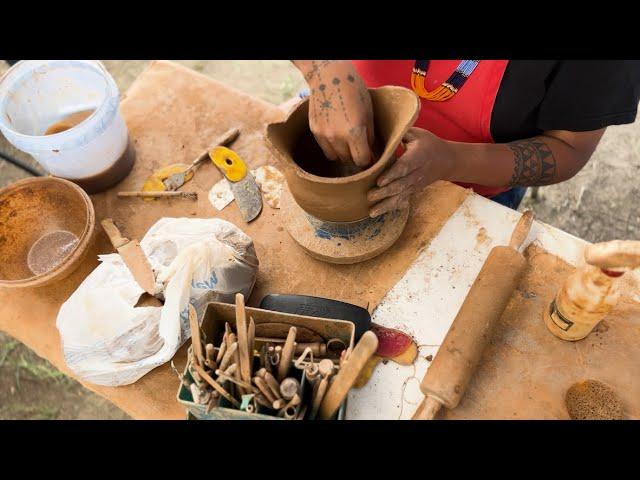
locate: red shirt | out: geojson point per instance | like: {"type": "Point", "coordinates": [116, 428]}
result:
{"type": "Point", "coordinates": [466, 117]}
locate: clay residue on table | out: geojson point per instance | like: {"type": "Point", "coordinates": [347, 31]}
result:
{"type": "Point", "coordinates": [285, 268]}
{"type": "Point", "coordinates": [526, 371]}
{"type": "Point", "coordinates": [482, 238]}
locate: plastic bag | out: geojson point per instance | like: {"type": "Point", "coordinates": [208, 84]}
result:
{"type": "Point", "coordinates": [107, 340]}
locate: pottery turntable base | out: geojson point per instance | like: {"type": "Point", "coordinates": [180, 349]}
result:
{"type": "Point", "coordinates": [341, 242]}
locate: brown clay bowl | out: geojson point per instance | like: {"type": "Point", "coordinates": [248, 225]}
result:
{"type": "Point", "coordinates": [34, 209]}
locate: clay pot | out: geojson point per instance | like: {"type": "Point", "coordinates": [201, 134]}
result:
{"type": "Point", "coordinates": [341, 199]}
{"type": "Point", "coordinates": [33, 208]}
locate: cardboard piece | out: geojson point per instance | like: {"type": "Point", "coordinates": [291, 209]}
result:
{"type": "Point", "coordinates": [173, 113]}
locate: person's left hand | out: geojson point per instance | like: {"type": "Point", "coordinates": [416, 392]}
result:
{"type": "Point", "coordinates": [426, 159]}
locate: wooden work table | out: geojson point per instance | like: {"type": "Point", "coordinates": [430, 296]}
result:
{"type": "Point", "coordinates": [174, 112]}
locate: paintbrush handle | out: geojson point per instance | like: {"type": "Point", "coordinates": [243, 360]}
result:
{"type": "Point", "coordinates": [167, 194]}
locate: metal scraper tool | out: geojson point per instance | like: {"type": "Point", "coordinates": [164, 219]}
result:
{"type": "Point", "coordinates": [242, 183]}
{"type": "Point", "coordinates": [132, 255]}
{"type": "Point", "coordinates": [175, 181]}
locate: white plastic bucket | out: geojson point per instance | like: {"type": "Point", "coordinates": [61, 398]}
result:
{"type": "Point", "coordinates": [34, 94]}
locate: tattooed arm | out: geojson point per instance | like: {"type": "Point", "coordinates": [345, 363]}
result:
{"type": "Point", "coordinates": [340, 112]}
{"type": "Point", "coordinates": [552, 157]}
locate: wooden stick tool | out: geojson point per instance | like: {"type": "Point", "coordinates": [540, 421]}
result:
{"type": "Point", "coordinates": [448, 375]}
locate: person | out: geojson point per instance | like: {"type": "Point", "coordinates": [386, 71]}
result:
{"type": "Point", "coordinates": [496, 126]}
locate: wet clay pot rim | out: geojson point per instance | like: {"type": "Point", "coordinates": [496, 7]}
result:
{"type": "Point", "coordinates": [72, 261]}
{"type": "Point", "coordinates": [374, 169]}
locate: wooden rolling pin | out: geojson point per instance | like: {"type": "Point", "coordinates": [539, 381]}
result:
{"type": "Point", "coordinates": [448, 376]}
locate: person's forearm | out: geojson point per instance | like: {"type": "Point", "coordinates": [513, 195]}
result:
{"type": "Point", "coordinates": [312, 69]}
{"type": "Point", "coordinates": [543, 160]}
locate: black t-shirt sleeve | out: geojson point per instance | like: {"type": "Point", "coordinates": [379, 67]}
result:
{"type": "Point", "coordinates": [585, 95]}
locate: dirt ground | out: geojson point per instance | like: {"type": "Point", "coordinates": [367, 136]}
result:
{"type": "Point", "coordinates": [600, 203]}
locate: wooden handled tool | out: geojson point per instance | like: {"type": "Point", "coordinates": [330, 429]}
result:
{"type": "Point", "coordinates": [132, 255]}
{"type": "Point", "coordinates": [347, 375]}
{"type": "Point", "coordinates": [448, 376]}
{"type": "Point", "coordinates": [175, 181]}
{"type": "Point", "coordinates": [195, 336]}
{"type": "Point", "coordinates": [191, 195]}
{"type": "Point", "coordinates": [287, 354]}
{"type": "Point", "coordinates": [243, 340]}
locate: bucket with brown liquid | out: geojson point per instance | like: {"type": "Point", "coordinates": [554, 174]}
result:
{"type": "Point", "coordinates": [65, 113]}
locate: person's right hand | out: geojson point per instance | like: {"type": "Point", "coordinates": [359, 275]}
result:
{"type": "Point", "coordinates": [340, 111]}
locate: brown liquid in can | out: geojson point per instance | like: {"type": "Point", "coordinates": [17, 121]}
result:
{"type": "Point", "coordinates": [68, 122]}
{"type": "Point", "coordinates": [108, 177]}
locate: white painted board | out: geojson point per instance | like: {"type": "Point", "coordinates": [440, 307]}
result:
{"type": "Point", "coordinates": [426, 300]}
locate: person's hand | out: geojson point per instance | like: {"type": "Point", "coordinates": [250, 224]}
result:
{"type": "Point", "coordinates": [426, 159]}
{"type": "Point", "coordinates": [340, 111]}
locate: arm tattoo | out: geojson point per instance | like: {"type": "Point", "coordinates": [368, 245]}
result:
{"type": "Point", "coordinates": [534, 163]}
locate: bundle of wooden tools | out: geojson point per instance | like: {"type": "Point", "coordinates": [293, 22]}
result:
{"type": "Point", "coordinates": [272, 376]}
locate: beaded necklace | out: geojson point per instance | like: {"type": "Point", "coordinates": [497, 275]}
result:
{"type": "Point", "coordinates": [445, 90]}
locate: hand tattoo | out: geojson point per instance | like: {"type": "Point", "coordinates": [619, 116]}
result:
{"type": "Point", "coordinates": [534, 163]}
{"type": "Point", "coordinates": [316, 67]}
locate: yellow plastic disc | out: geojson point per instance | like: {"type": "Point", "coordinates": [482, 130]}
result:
{"type": "Point", "coordinates": [229, 162]}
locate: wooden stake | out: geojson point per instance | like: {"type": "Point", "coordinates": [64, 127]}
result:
{"type": "Point", "coordinates": [287, 354]}
{"type": "Point", "coordinates": [273, 384]}
{"type": "Point", "coordinates": [319, 396]}
{"type": "Point", "coordinates": [251, 339]}
{"type": "Point", "coordinates": [294, 402]}
{"type": "Point", "coordinates": [216, 386]}
{"type": "Point", "coordinates": [228, 356]}
{"type": "Point", "coordinates": [195, 335]}
{"type": "Point", "coordinates": [231, 369]}
{"type": "Point", "coordinates": [221, 351]}
{"type": "Point", "coordinates": [238, 374]}
{"type": "Point", "coordinates": [262, 385]}
{"type": "Point", "coordinates": [243, 340]}
{"type": "Point", "coordinates": [210, 354]}
{"type": "Point", "coordinates": [222, 375]}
